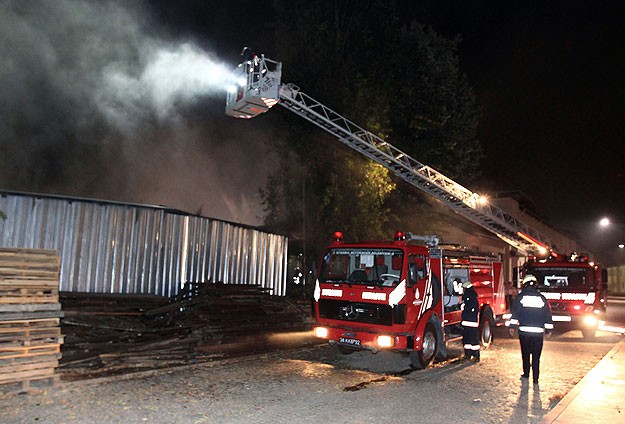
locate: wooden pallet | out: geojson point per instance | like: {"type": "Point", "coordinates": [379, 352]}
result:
{"type": "Point", "coordinates": [8, 351]}
{"type": "Point", "coordinates": [28, 336]}
{"type": "Point", "coordinates": [30, 312]}
{"type": "Point", "coordinates": [31, 384]}
{"type": "Point", "coordinates": [28, 360]}
{"type": "Point", "coordinates": [29, 263]}
{"type": "Point", "coordinates": [16, 290]}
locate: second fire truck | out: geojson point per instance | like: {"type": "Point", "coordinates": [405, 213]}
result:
{"type": "Point", "coordinates": [576, 290]}
{"type": "Point", "coordinates": [402, 296]}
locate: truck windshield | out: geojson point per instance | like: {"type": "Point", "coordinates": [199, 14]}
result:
{"type": "Point", "coordinates": [362, 266]}
{"type": "Point", "coordinates": [563, 278]}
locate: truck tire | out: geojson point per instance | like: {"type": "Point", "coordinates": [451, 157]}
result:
{"type": "Point", "coordinates": [423, 358]}
{"type": "Point", "coordinates": [486, 328]}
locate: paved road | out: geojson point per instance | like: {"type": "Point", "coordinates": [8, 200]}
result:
{"type": "Point", "coordinates": [314, 385]}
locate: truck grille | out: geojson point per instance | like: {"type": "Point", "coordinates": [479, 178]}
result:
{"type": "Point", "coordinates": [371, 313]}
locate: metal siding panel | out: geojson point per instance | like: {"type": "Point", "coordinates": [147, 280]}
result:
{"type": "Point", "coordinates": [205, 255]}
{"type": "Point", "coordinates": [69, 261]}
{"type": "Point", "coordinates": [215, 243]}
{"type": "Point", "coordinates": [120, 248]}
{"type": "Point", "coordinates": [225, 263]}
{"type": "Point", "coordinates": [216, 262]}
{"type": "Point", "coordinates": [138, 248]}
{"type": "Point", "coordinates": [158, 247]}
{"type": "Point", "coordinates": [145, 249]}
{"type": "Point", "coordinates": [253, 258]}
{"type": "Point", "coordinates": [192, 246]}
{"type": "Point", "coordinates": [204, 252]}
{"type": "Point", "coordinates": [236, 254]}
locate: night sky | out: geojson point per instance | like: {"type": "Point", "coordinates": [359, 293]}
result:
{"type": "Point", "coordinates": [549, 78]}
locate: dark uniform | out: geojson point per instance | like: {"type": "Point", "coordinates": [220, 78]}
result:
{"type": "Point", "coordinates": [470, 323]}
{"type": "Point", "coordinates": [532, 315]}
{"type": "Point", "coordinates": [247, 54]}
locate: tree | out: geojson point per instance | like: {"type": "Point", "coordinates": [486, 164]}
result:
{"type": "Point", "coordinates": [398, 79]}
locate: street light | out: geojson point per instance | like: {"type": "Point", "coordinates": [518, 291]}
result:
{"type": "Point", "coordinates": [605, 223]}
{"type": "Point", "coordinates": [616, 231]}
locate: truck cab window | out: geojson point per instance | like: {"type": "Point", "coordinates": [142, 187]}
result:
{"type": "Point", "coordinates": [416, 268]}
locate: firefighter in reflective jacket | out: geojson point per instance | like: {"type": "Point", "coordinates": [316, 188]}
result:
{"type": "Point", "coordinates": [532, 315]}
{"type": "Point", "coordinates": [470, 308]}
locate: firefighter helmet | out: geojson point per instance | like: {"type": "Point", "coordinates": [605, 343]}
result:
{"type": "Point", "coordinates": [530, 281]}
{"type": "Point", "coordinates": [467, 284]}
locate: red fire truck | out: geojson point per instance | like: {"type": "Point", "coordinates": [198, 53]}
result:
{"type": "Point", "coordinates": [576, 290]}
{"type": "Point", "coordinates": [402, 296]}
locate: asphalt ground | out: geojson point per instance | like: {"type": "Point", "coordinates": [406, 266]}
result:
{"type": "Point", "coordinates": [315, 384]}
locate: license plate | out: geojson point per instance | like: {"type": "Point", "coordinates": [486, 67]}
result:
{"type": "Point", "coordinates": [351, 342]}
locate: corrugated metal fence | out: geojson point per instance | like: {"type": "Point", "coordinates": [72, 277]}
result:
{"type": "Point", "coordinates": [109, 247]}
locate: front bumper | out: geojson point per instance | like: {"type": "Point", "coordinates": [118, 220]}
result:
{"type": "Point", "coordinates": [359, 339]}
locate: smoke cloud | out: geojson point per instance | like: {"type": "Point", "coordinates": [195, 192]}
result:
{"type": "Point", "coordinates": [169, 77]}
{"type": "Point", "coordinates": [97, 103]}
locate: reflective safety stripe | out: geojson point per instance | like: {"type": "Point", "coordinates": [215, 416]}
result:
{"type": "Point", "coordinates": [527, 329]}
{"type": "Point", "coordinates": [471, 347]}
{"type": "Point", "coordinates": [470, 324]}
{"type": "Point", "coordinates": [514, 321]}
{"type": "Point", "coordinates": [548, 326]}
{"type": "Point", "coordinates": [397, 294]}
{"type": "Point", "coordinates": [532, 302]}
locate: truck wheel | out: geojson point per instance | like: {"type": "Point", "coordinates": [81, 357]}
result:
{"type": "Point", "coordinates": [486, 328]}
{"type": "Point", "coordinates": [423, 358]}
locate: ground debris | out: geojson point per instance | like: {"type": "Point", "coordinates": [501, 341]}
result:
{"type": "Point", "coordinates": [112, 334]}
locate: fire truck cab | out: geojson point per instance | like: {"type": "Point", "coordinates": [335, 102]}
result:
{"type": "Point", "coordinates": [575, 288]}
{"type": "Point", "coordinates": [402, 296]}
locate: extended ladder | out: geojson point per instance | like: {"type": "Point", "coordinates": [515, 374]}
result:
{"type": "Point", "coordinates": [256, 88]}
{"type": "Point", "coordinates": [458, 198]}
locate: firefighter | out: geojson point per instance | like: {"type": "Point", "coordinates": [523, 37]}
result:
{"type": "Point", "coordinates": [470, 309]}
{"type": "Point", "coordinates": [248, 55]}
{"type": "Point", "coordinates": [532, 315]}
{"type": "Point", "coordinates": [250, 59]}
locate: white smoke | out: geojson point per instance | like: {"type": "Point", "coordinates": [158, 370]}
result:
{"type": "Point", "coordinates": [96, 96]}
{"type": "Point", "coordinates": [170, 77]}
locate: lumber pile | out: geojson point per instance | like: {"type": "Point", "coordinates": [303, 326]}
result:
{"type": "Point", "coordinates": [30, 312]}
{"type": "Point", "coordinates": [112, 334]}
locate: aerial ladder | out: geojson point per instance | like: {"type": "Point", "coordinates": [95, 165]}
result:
{"type": "Point", "coordinates": [257, 87]}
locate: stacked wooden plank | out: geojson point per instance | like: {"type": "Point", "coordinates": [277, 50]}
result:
{"type": "Point", "coordinates": [30, 312]}
{"type": "Point", "coordinates": [110, 334]}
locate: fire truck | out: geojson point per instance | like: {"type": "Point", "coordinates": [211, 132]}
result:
{"type": "Point", "coordinates": [575, 288]}
{"type": "Point", "coordinates": [403, 296]}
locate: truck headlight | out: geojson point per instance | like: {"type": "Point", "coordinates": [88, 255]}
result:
{"type": "Point", "coordinates": [590, 321]}
{"type": "Point", "coordinates": [386, 341]}
{"type": "Point", "coordinates": [321, 332]}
